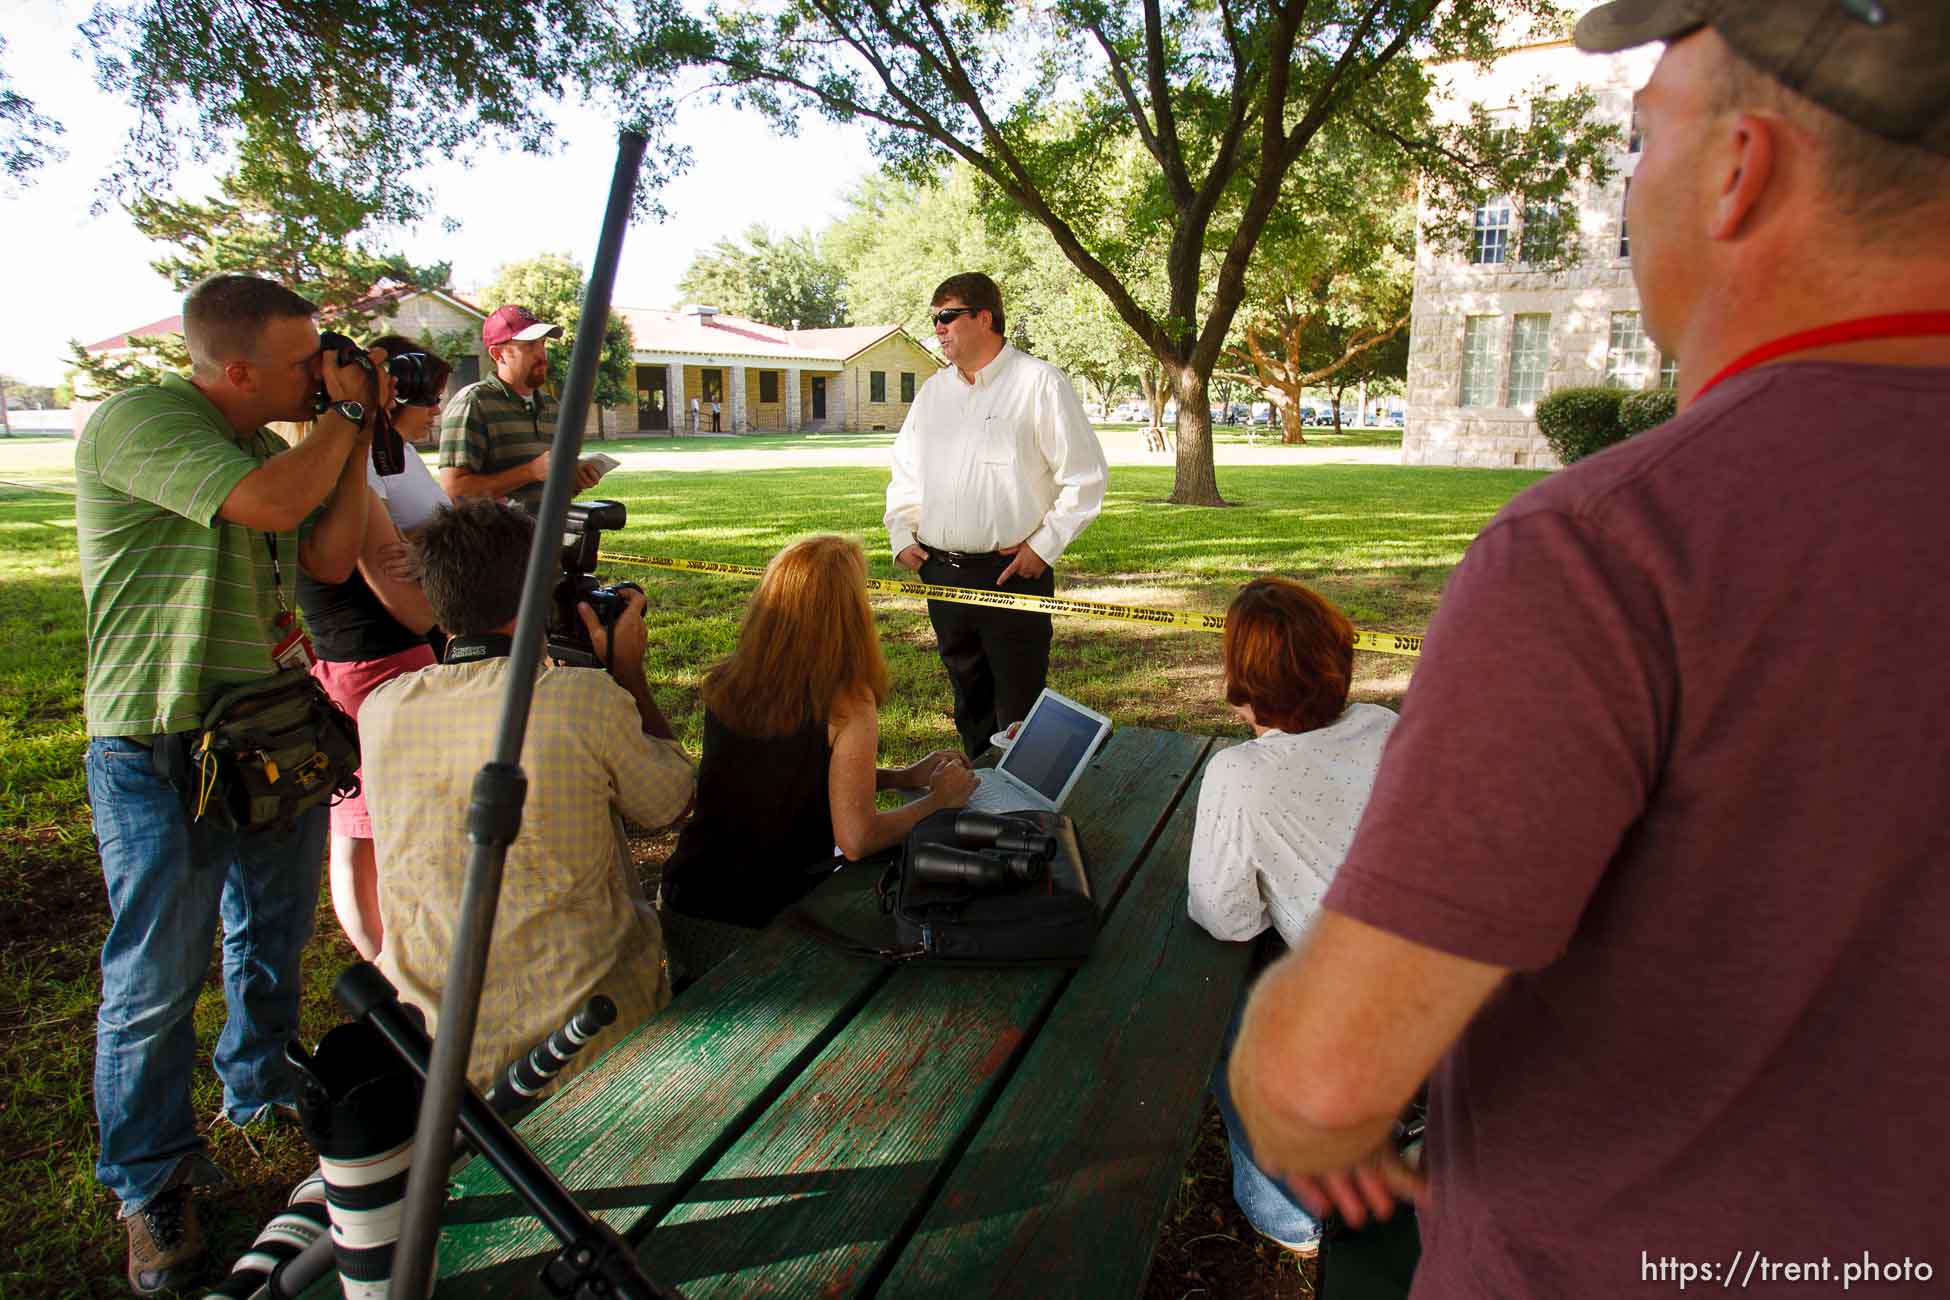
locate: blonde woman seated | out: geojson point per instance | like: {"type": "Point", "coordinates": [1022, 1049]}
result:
{"type": "Point", "coordinates": [791, 739]}
{"type": "Point", "coordinates": [1276, 815]}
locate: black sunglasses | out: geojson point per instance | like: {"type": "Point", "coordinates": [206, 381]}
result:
{"type": "Point", "coordinates": [947, 315]}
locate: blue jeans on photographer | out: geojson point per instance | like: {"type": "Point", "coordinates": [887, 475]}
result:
{"type": "Point", "coordinates": [1272, 1210]}
{"type": "Point", "coordinates": [168, 885]}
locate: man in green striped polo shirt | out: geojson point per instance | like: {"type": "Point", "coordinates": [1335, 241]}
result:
{"type": "Point", "coordinates": [191, 520]}
{"type": "Point", "coordinates": [496, 434]}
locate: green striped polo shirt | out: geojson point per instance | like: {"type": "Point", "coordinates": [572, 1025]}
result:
{"type": "Point", "coordinates": [180, 602]}
{"type": "Point", "coordinates": [488, 427]}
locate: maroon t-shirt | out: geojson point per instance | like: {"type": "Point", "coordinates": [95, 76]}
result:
{"type": "Point", "coordinates": [1677, 753]}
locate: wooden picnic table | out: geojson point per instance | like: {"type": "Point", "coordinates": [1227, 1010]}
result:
{"type": "Point", "coordinates": [802, 1122]}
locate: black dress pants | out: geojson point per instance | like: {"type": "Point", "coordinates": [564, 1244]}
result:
{"type": "Point", "coordinates": [997, 659]}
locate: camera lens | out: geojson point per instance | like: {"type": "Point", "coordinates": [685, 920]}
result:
{"type": "Point", "coordinates": [412, 374]}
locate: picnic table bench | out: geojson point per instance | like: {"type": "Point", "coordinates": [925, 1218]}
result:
{"type": "Point", "coordinates": [801, 1122]}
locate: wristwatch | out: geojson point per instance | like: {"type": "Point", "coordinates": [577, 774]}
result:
{"type": "Point", "coordinates": [353, 411]}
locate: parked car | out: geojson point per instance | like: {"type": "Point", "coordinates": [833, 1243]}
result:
{"type": "Point", "coordinates": [1398, 418]}
{"type": "Point", "coordinates": [1132, 411]}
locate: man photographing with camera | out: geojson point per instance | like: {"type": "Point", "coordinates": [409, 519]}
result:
{"type": "Point", "coordinates": [495, 435]}
{"type": "Point", "coordinates": [192, 520]}
{"type": "Point", "coordinates": [572, 919]}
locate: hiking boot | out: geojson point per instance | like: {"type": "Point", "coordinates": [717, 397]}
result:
{"type": "Point", "coordinates": [165, 1243]}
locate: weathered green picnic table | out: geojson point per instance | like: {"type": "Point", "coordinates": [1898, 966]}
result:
{"type": "Point", "coordinates": [801, 1122]}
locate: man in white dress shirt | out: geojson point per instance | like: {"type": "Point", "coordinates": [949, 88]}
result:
{"type": "Point", "coordinates": [996, 471]}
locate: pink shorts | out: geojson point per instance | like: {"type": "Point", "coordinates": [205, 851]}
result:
{"type": "Point", "coordinates": [348, 684]}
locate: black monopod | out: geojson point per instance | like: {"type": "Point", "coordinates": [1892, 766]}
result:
{"type": "Point", "coordinates": [501, 788]}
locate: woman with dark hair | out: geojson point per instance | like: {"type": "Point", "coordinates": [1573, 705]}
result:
{"type": "Point", "coordinates": [374, 626]}
{"type": "Point", "coordinates": [791, 737]}
{"type": "Point", "coordinates": [1277, 814]}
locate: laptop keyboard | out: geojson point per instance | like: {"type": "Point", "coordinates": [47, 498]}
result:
{"type": "Point", "coordinates": [995, 795]}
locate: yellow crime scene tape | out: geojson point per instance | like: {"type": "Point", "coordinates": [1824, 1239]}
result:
{"type": "Point", "coordinates": [1387, 643]}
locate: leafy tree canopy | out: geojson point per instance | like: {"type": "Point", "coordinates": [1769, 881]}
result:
{"type": "Point", "coordinates": [279, 215]}
{"type": "Point", "coordinates": [372, 90]}
{"type": "Point", "coordinates": [779, 279]}
{"type": "Point", "coordinates": [26, 137]}
{"type": "Point", "coordinates": [276, 214]}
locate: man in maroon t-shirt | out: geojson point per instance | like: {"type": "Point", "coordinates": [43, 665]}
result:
{"type": "Point", "coordinates": [1656, 874]}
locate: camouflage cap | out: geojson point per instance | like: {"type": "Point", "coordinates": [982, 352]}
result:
{"type": "Point", "coordinates": [1882, 64]}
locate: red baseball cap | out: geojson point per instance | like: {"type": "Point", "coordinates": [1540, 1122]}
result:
{"type": "Point", "coordinates": [509, 324]}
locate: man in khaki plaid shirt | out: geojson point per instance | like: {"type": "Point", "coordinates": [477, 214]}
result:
{"type": "Point", "coordinates": [572, 920]}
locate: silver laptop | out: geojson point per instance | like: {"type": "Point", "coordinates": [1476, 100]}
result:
{"type": "Point", "coordinates": [1054, 743]}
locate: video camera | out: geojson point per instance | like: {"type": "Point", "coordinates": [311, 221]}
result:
{"type": "Point", "coordinates": [414, 383]}
{"type": "Point", "coordinates": [582, 530]}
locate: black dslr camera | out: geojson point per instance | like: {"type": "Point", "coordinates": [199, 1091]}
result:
{"type": "Point", "coordinates": [582, 530]}
{"type": "Point", "coordinates": [413, 382]}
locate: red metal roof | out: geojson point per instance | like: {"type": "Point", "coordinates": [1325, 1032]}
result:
{"type": "Point", "coordinates": [657, 330]}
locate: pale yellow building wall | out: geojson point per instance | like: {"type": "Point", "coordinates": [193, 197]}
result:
{"type": "Point", "coordinates": [892, 356]}
{"type": "Point", "coordinates": [764, 416]}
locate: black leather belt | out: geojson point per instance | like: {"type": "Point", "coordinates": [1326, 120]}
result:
{"type": "Point", "coordinates": [965, 559]}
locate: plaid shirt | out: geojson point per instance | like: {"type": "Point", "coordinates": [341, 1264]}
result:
{"type": "Point", "coordinates": [572, 919]}
{"type": "Point", "coordinates": [488, 427]}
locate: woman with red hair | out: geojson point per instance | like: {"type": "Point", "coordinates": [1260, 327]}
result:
{"type": "Point", "coordinates": [791, 737]}
{"type": "Point", "coordinates": [1277, 814]}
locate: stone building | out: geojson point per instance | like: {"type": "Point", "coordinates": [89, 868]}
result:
{"type": "Point", "coordinates": [1490, 331]}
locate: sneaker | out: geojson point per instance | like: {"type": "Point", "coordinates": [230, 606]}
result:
{"type": "Point", "coordinates": [1307, 1249]}
{"type": "Point", "coordinates": [165, 1243]}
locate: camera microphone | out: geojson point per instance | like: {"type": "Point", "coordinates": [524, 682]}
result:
{"type": "Point", "coordinates": [939, 864]}
{"type": "Point", "coordinates": [1004, 834]}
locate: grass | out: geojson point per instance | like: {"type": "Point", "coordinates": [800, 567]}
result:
{"type": "Point", "coordinates": [1379, 540]}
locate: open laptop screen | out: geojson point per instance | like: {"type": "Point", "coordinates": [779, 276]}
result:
{"type": "Point", "coordinates": [1053, 743]}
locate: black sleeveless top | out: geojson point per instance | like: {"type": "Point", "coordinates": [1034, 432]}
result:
{"type": "Point", "coordinates": [762, 830]}
{"type": "Point", "coordinates": [347, 621]}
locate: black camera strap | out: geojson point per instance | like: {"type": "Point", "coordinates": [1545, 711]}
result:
{"type": "Point", "coordinates": [474, 649]}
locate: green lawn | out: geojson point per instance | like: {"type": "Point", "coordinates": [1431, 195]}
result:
{"type": "Point", "coordinates": [1379, 540]}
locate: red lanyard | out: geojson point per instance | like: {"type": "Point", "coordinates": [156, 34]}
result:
{"type": "Point", "coordinates": [1905, 325]}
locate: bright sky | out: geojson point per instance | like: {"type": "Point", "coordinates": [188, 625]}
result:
{"type": "Point", "coordinates": [71, 274]}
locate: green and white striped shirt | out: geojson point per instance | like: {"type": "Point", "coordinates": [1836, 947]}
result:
{"type": "Point", "coordinates": [488, 427]}
{"type": "Point", "coordinates": [180, 602]}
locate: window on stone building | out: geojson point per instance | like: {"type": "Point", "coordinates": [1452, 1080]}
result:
{"type": "Point", "coordinates": [1530, 354]}
{"type": "Point", "coordinates": [1629, 358]}
{"type": "Point", "coordinates": [768, 385]}
{"type": "Point", "coordinates": [1479, 361]}
{"type": "Point", "coordinates": [907, 385]}
{"type": "Point", "coordinates": [1669, 373]}
{"type": "Point", "coordinates": [1624, 209]}
{"type": "Point", "coordinates": [1544, 228]}
{"type": "Point", "coordinates": [1491, 242]}
{"type": "Point", "coordinates": [876, 385]}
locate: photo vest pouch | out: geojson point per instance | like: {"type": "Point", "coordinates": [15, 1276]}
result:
{"type": "Point", "coordinates": [270, 750]}
{"type": "Point", "coordinates": [977, 906]}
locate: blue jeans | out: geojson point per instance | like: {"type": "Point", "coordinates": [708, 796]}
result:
{"type": "Point", "coordinates": [168, 884]}
{"type": "Point", "coordinates": [1264, 1200]}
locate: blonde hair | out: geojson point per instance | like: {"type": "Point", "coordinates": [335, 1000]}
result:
{"type": "Point", "coordinates": [807, 637]}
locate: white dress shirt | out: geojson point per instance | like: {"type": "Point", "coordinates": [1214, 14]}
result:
{"type": "Point", "coordinates": [1276, 817]}
{"type": "Point", "coordinates": [1008, 458]}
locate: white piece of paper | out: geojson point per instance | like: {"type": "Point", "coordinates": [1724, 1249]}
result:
{"type": "Point", "coordinates": [603, 461]}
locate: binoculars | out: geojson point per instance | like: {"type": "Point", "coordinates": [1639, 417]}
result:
{"type": "Point", "coordinates": [1010, 853]}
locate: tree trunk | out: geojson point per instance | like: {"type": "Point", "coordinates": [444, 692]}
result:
{"type": "Point", "coordinates": [1197, 483]}
{"type": "Point", "coordinates": [1292, 432]}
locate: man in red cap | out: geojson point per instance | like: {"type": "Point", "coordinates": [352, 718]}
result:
{"type": "Point", "coordinates": [1654, 875]}
{"type": "Point", "coordinates": [495, 435]}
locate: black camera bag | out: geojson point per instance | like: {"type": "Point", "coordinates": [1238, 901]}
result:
{"type": "Point", "coordinates": [1053, 920]}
